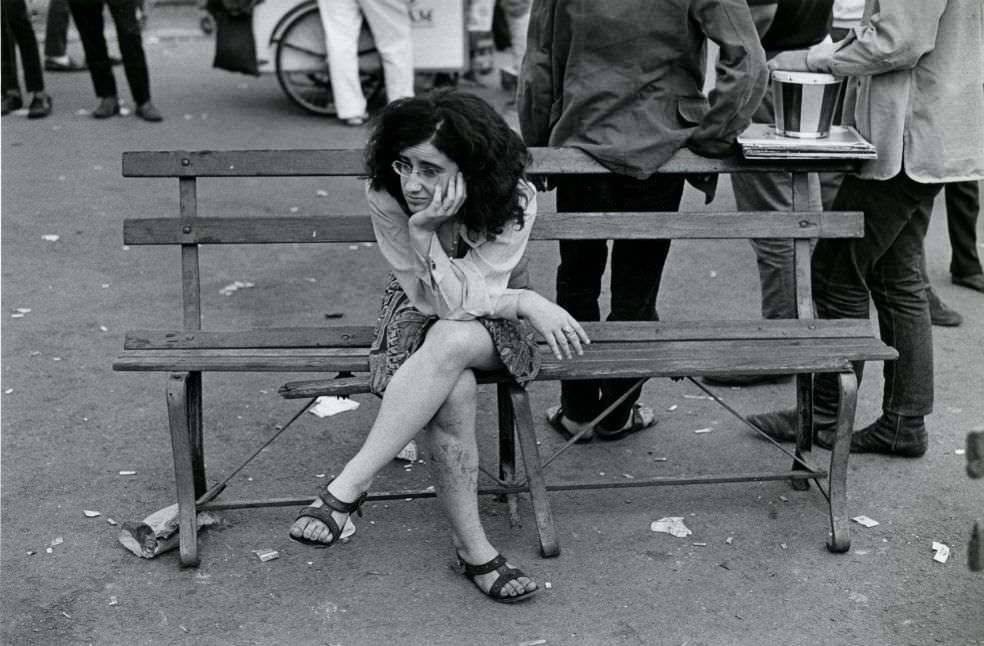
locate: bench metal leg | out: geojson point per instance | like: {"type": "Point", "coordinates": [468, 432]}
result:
{"type": "Point", "coordinates": [804, 442]}
{"type": "Point", "coordinates": [534, 471]}
{"type": "Point", "coordinates": [840, 533]}
{"type": "Point", "coordinates": [182, 447]}
{"type": "Point", "coordinates": [195, 430]}
{"type": "Point", "coordinates": [507, 450]}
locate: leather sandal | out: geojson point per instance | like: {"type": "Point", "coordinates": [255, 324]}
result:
{"type": "Point", "coordinates": [637, 422]}
{"type": "Point", "coordinates": [555, 417]}
{"type": "Point", "coordinates": [506, 574]}
{"type": "Point", "coordinates": [323, 514]}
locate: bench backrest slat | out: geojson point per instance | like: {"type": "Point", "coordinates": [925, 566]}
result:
{"type": "Point", "coordinates": [549, 226]}
{"type": "Point", "coordinates": [350, 162]}
{"type": "Point", "coordinates": [341, 336]}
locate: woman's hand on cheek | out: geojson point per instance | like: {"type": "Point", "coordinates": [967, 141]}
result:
{"type": "Point", "coordinates": [445, 203]}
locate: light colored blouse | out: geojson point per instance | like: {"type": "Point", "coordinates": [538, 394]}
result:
{"type": "Point", "coordinates": [439, 279]}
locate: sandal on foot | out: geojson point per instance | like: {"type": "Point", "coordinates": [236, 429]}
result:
{"type": "Point", "coordinates": [323, 514]}
{"type": "Point", "coordinates": [506, 574]}
{"type": "Point", "coordinates": [642, 417]}
{"type": "Point", "coordinates": [555, 417]}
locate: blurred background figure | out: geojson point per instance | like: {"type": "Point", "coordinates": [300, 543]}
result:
{"type": "Point", "coordinates": [389, 21]}
{"type": "Point", "coordinates": [963, 205]}
{"type": "Point", "coordinates": [18, 35]}
{"type": "Point", "coordinates": [515, 21]}
{"type": "Point", "coordinates": [88, 16]}
{"type": "Point", "coordinates": [56, 58]}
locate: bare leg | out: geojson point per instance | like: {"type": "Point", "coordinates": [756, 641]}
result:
{"type": "Point", "coordinates": [451, 436]}
{"type": "Point", "coordinates": [414, 395]}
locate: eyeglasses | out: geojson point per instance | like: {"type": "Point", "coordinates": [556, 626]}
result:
{"type": "Point", "coordinates": [405, 170]}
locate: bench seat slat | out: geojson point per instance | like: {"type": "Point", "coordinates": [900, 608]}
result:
{"type": "Point", "coordinates": [361, 335]}
{"type": "Point", "coordinates": [655, 358]}
{"type": "Point", "coordinates": [548, 226]}
{"type": "Point", "coordinates": [351, 162]}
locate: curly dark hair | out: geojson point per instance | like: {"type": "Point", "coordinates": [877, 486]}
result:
{"type": "Point", "coordinates": [490, 155]}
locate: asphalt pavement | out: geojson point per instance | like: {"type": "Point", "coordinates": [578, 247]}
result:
{"type": "Point", "coordinates": [78, 437]}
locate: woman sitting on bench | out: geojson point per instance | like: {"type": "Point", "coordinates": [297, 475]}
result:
{"type": "Point", "coordinates": [452, 213]}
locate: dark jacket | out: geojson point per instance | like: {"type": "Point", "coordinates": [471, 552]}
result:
{"type": "Point", "coordinates": [622, 79]}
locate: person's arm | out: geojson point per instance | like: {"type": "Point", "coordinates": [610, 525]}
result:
{"type": "Point", "coordinates": [894, 38]}
{"type": "Point", "coordinates": [740, 79]}
{"type": "Point", "coordinates": [476, 284]}
{"type": "Point", "coordinates": [455, 288]}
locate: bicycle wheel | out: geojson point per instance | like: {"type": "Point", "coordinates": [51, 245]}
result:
{"type": "Point", "coordinates": [302, 67]}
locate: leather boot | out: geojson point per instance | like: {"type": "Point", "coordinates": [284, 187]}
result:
{"type": "Point", "coordinates": [893, 434]}
{"type": "Point", "coordinates": [781, 425]}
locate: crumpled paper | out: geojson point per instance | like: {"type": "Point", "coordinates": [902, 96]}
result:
{"type": "Point", "coordinates": [671, 525]}
{"type": "Point", "coordinates": [327, 406]}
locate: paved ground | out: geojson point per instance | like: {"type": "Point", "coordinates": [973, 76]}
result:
{"type": "Point", "coordinates": [754, 571]}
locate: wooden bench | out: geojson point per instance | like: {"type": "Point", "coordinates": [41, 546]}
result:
{"type": "Point", "coordinates": [802, 347]}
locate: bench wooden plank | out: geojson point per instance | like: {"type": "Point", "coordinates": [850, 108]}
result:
{"type": "Point", "coordinates": [354, 336]}
{"type": "Point", "coordinates": [350, 162]}
{"type": "Point", "coordinates": [658, 358]}
{"type": "Point", "coordinates": [548, 226]}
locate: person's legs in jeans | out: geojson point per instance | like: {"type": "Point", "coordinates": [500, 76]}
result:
{"type": "Point", "coordinates": [637, 270]}
{"type": "Point", "coordinates": [887, 262]}
{"type": "Point", "coordinates": [636, 273]}
{"type": "Point", "coordinates": [88, 17]}
{"type": "Point", "coordinates": [124, 13]}
{"type": "Point", "coordinates": [963, 206]}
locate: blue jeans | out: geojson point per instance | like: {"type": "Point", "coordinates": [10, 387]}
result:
{"type": "Point", "coordinates": [884, 265]}
{"type": "Point", "coordinates": [637, 268]}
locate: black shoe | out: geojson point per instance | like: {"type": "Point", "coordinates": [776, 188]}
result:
{"type": "Point", "coordinates": [781, 426]}
{"type": "Point", "coordinates": [11, 102]}
{"type": "Point", "coordinates": [940, 313]}
{"type": "Point", "coordinates": [746, 380]}
{"type": "Point", "coordinates": [63, 64]}
{"type": "Point", "coordinates": [974, 281]}
{"type": "Point", "coordinates": [148, 112]}
{"type": "Point", "coordinates": [895, 435]}
{"type": "Point", "coordinates": [108, 107]}
{"type": "Point", "coordinates": [40, 106]}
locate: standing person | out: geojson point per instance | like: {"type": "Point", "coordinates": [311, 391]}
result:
{"type": "Point", "coordinates": [517, 18]}
{"type": "Point", "coordinates": [920, 69]}
{"type": "Point", "coordinates": [389, 21]}
{"type": "Point", "coordinates": [56, 58]}
{"type": "Point", "coordinates": [18, 34]}
{"type": "Point", "coordinates": [963, 206]}
{"type": "Point", "coordinates": [88, 16]}
{"type": "Point", "coordinates": [783, 25]}
{"type": "Point", "coordinates": [452, 214]}
{"type": "Point", "coordinates": [622, 80]}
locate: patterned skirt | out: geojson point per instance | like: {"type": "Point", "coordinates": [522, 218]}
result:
{"type": "Point", "coordinates": [401, 328]}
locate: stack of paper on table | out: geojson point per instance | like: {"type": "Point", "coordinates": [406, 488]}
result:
{"type": "Point", "coordinates": [760, 141]}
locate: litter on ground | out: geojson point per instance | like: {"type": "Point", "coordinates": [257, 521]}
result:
{"type": "Point", "coordinates": [672, 525]}
{"type": "Point", "coordinates": [941, 552]}
{"type": "Point", "coordinates": [327, 406]}
{"type": "Point", "coordinates": [864, 520]}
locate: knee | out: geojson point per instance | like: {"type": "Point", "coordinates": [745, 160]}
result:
{"type": "Point", "coordinates": [451, 343]}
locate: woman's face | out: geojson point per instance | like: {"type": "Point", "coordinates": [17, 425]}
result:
{"type": "Point", "coordinates": [421, 168]}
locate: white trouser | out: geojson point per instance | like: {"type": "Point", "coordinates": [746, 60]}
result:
{"type": "Point", "coordinates": [389, 21]}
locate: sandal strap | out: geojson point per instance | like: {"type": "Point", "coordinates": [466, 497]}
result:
{"type": "Point", "coordinates": [338, 505]}
{"type": "Point", "coordinates": [324, 515]}
{"type": "Point", "coordinates": [484, 568]}
{"type": "Point", "coordinates": [506, 575]}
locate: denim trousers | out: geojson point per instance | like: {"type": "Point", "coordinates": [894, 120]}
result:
{"type": "Point", "coordinates": [637, 268]}
{"type": "Point", "coordinates": [88, 17]}
{"type": "Point", "coordinates": [885, 266]}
